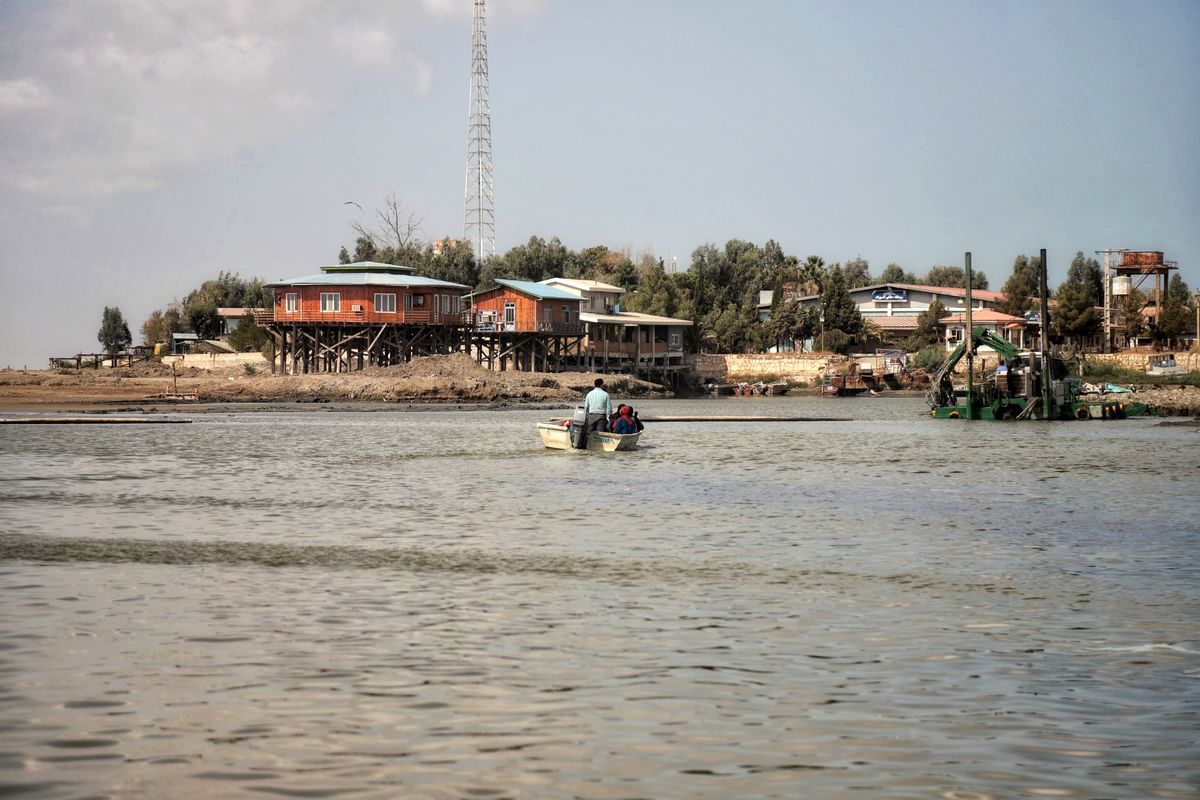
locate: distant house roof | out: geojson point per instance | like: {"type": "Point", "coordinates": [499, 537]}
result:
{"type": "Point", "coordinates": [897, 322]}
{"type": "Point", "coordinates": [389, 278]}
{"type": "Point", "coordinates": [367, 266]}
{"type": "Point", "coordinates": [980, 315]}
{"type": "Point", "coordinates": [946, 291]}
{"type": "Point", "coordinates": [632, 318]}
{"type": "Point", "coordinates": [534, 289]}
{"type": "Point", "coordinates": [586, 286]}
{"type": "Point", "coordinates": [234, 313]}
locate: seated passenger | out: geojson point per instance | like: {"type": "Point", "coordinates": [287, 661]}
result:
{"type": "Point", "coordinates": [624, 423]}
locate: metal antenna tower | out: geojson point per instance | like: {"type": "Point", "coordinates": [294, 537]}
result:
{"type": "Point", "coordinates": [480, 226]}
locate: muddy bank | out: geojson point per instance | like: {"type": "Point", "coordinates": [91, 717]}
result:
{"type": "Point", "coordinates": [453, 379]}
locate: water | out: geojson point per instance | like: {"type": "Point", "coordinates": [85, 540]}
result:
{"type": "Point", "coordinates": [430, 605]}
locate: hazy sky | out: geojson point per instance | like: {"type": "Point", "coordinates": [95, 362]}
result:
{"type": "Point", "coordinates": [148, 145]}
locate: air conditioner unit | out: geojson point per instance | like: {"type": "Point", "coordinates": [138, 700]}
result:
{"type": "Point", "coordinates": [357, 308]}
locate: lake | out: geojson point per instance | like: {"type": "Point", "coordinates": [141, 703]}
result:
{"type": "Point", "coordinates": [430, 605]}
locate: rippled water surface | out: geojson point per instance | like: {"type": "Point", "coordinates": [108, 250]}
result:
{"type": "Point", "coordinates": [430, 605]}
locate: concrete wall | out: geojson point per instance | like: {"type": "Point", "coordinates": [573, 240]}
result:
{"type": "Point", "coordinates": [219, 361]}
{"type": "Point", "coordinates": [741, 366]}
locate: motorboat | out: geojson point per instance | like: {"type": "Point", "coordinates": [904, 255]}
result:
{"type": "Point", "coordinates": [556, 435]}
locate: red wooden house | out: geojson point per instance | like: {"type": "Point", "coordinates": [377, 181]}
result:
{"type": "Point", "coordinates": [526, 307]}
{"type": "Point", "coordinates": [367, 292]}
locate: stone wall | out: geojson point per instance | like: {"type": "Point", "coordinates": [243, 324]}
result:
{"type": "Point", "coordinates": [1189, 360]}
{"type": "Point", "coordinates": [219, 362]}
{"type": "Point", "coordinates": [743, 366]}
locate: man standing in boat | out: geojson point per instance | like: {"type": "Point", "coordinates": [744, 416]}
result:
{"type": "Point", "coordinates": [598, 406]}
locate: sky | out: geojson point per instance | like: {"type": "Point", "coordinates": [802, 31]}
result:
{"type": "Point", "coordinates": [146, 145]}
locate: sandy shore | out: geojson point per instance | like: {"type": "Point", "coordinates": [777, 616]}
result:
{"type": "Point", "coordinates": [442, 380]}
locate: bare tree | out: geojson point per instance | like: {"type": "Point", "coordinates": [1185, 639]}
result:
{"type": "Point", "coordinates": [398, 228]}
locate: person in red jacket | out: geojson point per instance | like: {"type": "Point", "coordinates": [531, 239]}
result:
{"type": "Point", "coordinates": [624, 423]}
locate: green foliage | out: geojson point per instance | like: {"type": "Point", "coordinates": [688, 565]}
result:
{"type": "Point", "coordinates": [204, 320]}
{"type": "Point", "coordinates": [160, 325]}
{"type": "Point", "coordinates": [114, 334]}
{"type": "Point", "coordinates": [1021, 287]}
{"type": "Point", "coordinates": [1171, 321]}
{"type": "Point", "coordinates": [929, 329]}
{"type": "Point", "coordinates": [857, 272]}
{"type": "Point", "coordinates": [790, 322]}
{"type": "Point", "coordinates": [835, 340]}
{"type": "Point", "coordinates": [1095, 371]}
{"type": "Point", "coordinates": [839, 311]}
{"type": "Point", "coordinates": [1075, 316]}
{"type": "Point", "coordinates": [1130, 321]}
{"type": "Point", "coordinates": [247, 336]}
{"type": "Point", "coordinates": [955, 277]}
{"type": "Point", "coordinates": [894, 273]}
{"type": "Point", "coordinates": [1086, 273]}
{"type": "Point", "coordinates": [928, 358]}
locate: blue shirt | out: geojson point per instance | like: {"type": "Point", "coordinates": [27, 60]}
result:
{"type": "Point", "coordinates": [597, 402]}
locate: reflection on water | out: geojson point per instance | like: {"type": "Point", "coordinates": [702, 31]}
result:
{"type": "Point", "coordinates": [430, 605]}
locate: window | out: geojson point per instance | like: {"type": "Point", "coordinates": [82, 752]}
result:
{"type": "Point", "coordinates": [510, 313]}
{"type": "Point", "coordinates": [674, 340]}
{"type": "Point", "coordinates": [385, 303]}
{"type": "Point", "coordinates": [418, 301]}
{"type": "Point", "coordinates": [456, 304]}
{"type": "Point", "coordinates": [289, 303]}
{"type": "Point", "coordinates": [548, 313]}
{"type": "Point", "coordinates": [445, 304]}
{"type": "Point", "coordinates": [331, 302]}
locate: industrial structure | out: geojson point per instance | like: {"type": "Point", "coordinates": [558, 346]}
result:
{"type": "Point", "coordinates": [1127, 271]}
{"type": "Point", "coordinates": [480, 205]}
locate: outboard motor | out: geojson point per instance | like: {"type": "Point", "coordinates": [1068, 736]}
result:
{"type": "Point", "coordinates": [579, 433]}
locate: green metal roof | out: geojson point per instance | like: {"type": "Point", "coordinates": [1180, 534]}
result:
{"type": "Point", "coordinates": [367, 266]}
{"type": "Point", "coordinates": [539, 290]}
{"type": "Point", "coordinates": [367, 278]}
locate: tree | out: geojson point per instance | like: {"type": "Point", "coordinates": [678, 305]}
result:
{"type": "Point", "coordinates": [205, 321]}
{"type": "Point", "coordinates": [857, 273]}
{"type": "Point", "coordinates": [894, 273]}
{"type": "Point", "coordinates": [1021, 287]}
{"type": "Point", "coordinates": [396, 228]}
{"type": "Point", "coordinates": [114, 333]}
{"type": "Point", "coordinates": [1075, 314]}
{"type": "Point", "coordinates": [812, 275]}
{"type": "Point", "coordinates": [955, 277]}
{"type": "Point", "coordinates": [928, 331]}
{"type": "Point", "coordinates": [1170, 320]}
{"type": "Point", "coordinates": [1130, 321]}
{"type": "Point", "coordinates": [247, 336]}
{"type": "Point", "coordinates": [160, 325]}
{"type": "Point", "coordinates": [838, 312]}
{"type": "Point", "coordinates": [791, 322]}
{"type": "Point", "coordinates": [1086, 272]}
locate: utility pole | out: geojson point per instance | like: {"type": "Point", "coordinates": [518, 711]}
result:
{"type": "Point", "coordinates": [970, 342]}
{"type": "Point", "coordinates": [1046, 373]}
{"type": "Point", "coordinates": [480, 204]}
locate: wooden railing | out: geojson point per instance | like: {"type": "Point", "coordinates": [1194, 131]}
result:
{"type": "Point", "coordinates": [407, 317]}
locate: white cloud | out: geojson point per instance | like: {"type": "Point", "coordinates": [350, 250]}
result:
{"type": "Point", "coordinates": [23, 94]}
{"type": "Point", "coordinates": [128, 91]}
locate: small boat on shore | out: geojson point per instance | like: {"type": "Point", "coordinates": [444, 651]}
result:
{"type": "Point", "coordinates": [556, 435]}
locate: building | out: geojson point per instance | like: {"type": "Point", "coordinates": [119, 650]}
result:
{"type": "Point", "coordinates": [620, 340]}
{"type": "Point", "coordinates": [348, 316]}
{"type": "Point", "coordinates": [367, 291]}
{"type": "Point", "coordinates": [525, 307]}
{"type": "Point", "coordinates": [893, 308]}
{"type": "Point", "coordinates": [1006, 326]}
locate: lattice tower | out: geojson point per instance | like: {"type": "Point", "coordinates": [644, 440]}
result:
{"type": "Point", "coordinates": [480, 225]}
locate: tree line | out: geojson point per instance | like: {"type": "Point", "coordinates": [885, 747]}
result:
{"type": "Point", "coordinates": [719, 292]}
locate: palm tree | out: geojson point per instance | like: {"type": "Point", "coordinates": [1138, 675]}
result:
{"type": "Point", "coordinates": [812, 275]}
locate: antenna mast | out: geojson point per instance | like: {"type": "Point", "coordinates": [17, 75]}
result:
{"type": "Point", "coordinates": [480, 226]}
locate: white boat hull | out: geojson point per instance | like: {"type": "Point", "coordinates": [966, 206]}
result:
{"type": "Point", "coordinates": [558, 437]}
